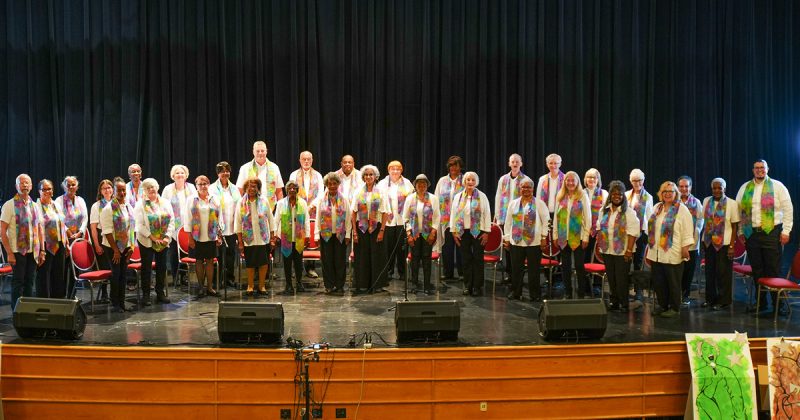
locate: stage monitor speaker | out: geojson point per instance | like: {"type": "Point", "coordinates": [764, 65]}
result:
{"type": "Point", "coordinates": [39, 317]}
{"type": "Point", "coordinates": [573, 317]}
{"type": "Point", "coordinates": [429, 320]}
{"type": "Point", "coordinates": [258, 322]}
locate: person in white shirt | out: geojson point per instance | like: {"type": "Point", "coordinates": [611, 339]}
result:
{"type": "Point", "coordinates": [24, 246]}
{"type": "Point", "coordinates": [508, 190]}
{"type": "Point", "coordinates": [446, 188]}
{"type": "Point", "coordinates": [73, 207]}
{"type": "Point", "coordinates": [721, 216]}
{"type": "Point", "coordinates": [117, 225]}
{"type": "Point", "coordinates": [593, 188]}
{"type": "Point", "coordinates": [695, 208]}
{"type": "Point", "coordinates": [177, 194]}
{"type": "Point", "coordinates": [670, 234]}
{"type": "Point", "coordinates": [292, 228]}
{"type": "Point", "coordinates": [105, 193]}
{"type": "Point", "coordinates": [266, 171]}
{"type": "Point", "coordinates": [470, 224]}
{"type": "Point", "coordinates": [333, 227]}
{"type": "Point", "coordinates": [396, 188]}
{"type": "Point", "coordinates": [255, 226]}
{"type": "Point", "coordinates": [228, 196]}
{"type": "Point", "coordinates": [155, 229]}
{"type": "Point", "coordinates": [423, 220]}
{"type": "Point", "coordinates": [50, 281]}
{"type": "Point", "coordinates": [550, 183]}
{"type": "Point", "coordinates": [369, 214]}
{"type": "Point", "coordinates": [524, 233]}
{"type": "Point", "coordinates": [573, 217]}
{"type": "Point", "coordinates": [311, 189]}
{"type": "Point", "coordinates": [350, 177]}
{"type": "Point", "coordinates": [203, 222]}
{"type": "Point", "coordinates": [133, 190]}
{"type": "Point", "coordinates": [642, 203]}
{"type": "Point", "coordinates": [766, 221]}
{"type": "Point", "coordinates": [617, 228]}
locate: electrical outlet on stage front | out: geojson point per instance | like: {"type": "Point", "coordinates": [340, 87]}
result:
{"type": "Point", "coordinates": [341, 413]}
{"type": "Point", "coordinates": [286, 413]}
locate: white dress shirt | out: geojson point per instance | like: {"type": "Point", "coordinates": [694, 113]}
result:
{"type": "Point", "coordinates": [784, 211]}
{"type": "Point", "coordinates": [631, 228]}
{"type": "Point", "coordinates": [486, 212]}
{"type": "Point", "coordinates": [540, 229]}
{"type": "Point", "coordinates": [731, 216]}
{"type": "Point", "coordinates": [682, 235]}
{"type": "Point", "coordinates": [143, 225]}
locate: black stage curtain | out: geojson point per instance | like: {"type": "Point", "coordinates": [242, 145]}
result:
{"type": "Point", "coordinates": [698, 87]}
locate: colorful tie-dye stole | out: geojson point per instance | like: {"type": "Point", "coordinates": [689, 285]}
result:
{"type": "Point", "coordinates": [368, 200]}
{"type": "Point", "coordinates": [505, 194]}
{"type": "Point", "coordinates": [474, 214]}
{"type": "Point", "coordinates": [158, 219]}
{"type": "Point", "coordinates": [326, 228]}
{"type": "Point", "coordinates": [445, 198]}
{"type": "Point", "coordinates": [641, 205]}
{"type": "Point", "coordinates": [213, 219]}
{"type": "Point", "coordinates": [570, 222]}
{"type": "Point", "coordinates": [269, 187]}
{"type": "Point", "coordinates": [767, 207]}
{"type": "Point", "coordinates": [545, 195]}
{"type": "Point", "coordinates": [402, 192]}
{"type": "Point", "coordinates": [123, 226]}
{"type": "Point", "coordinates": [714, 214]}
{"type": "Point", "coordinates": [25, 216]}
{"type": "Point", "coordinates": [73, 217]}
{"type": "Point", "coordinates": [248, 235]}
{"type": "Point", "coordinates": [427, 216]}
{"type": "Point", "coordinates": [597, 203]}
{"type": "Point", "coordinates": [618, 236]}
{"type": "Point", "coordinates": [667, 226]}
{"type": "Point", "coordinates": [53, 223]}
{"type": "Point", "coordinates": [313, 185]}
{"type": "Point", "coordinates": [300, 210]}
{"type": "Point", "coordinates": [523, 222]}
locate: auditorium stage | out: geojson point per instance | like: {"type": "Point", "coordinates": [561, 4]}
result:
{"type": "Point", "coordinates": [313, 316]}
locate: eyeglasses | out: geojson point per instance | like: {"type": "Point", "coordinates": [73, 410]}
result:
{"type": "Point", "coordinates": [46, 189]}
{"type": "Point", "coordinates": [203, 184]}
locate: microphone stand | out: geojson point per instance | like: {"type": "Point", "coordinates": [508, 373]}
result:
{"type": "Point", "coordinates": [224, 279]}
{"type": "Point", "coordinates": [408, 266]}
{"type": "Point", "coordinates": [550, 255]}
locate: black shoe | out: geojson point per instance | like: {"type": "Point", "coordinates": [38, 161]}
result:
{"type": "Point", "coordinates": [286, 292]}
{"type": "Point", "coordinates": [300, 287]}
{"type": "Point", "coordinates": [380, 290]}
{"type": "Point", "coordinates": [430, 291]}
{"type": "Point", "coordinates": [117, 309]}
{"type": "Point", "coordinates": [467, 292]}
{"type": "Point", "coordinates": [146, 301]}
{"type": "Point", "coordinates": [162, 299]}
{"type": "Point", "coordinates": [357, 292]}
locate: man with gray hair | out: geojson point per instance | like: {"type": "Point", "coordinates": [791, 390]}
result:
{"type": "Point", "coordinates": [265, 170]}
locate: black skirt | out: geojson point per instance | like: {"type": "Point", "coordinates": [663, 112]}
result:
{"type": "Point", "coordinates": [256, 256]}
{"type": "Point", "coordinates": [205, 250]}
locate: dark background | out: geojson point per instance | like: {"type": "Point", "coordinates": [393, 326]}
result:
{"type": "Point", "coordinates": [698, 87]}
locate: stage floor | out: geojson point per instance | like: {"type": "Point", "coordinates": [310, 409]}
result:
{"type": "Point", "coordinates": [313, 316]}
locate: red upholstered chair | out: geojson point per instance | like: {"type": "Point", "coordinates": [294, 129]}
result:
{"type": "Point", "coordinates": [6, 271]}
{"type": "Point", "coordinates": [135, 265]}
{"type": "Point", "coordinates": [742, 270]}
{"type": "Point", "coordinates": [493, 251]}
{"type": "Point", "coordinates": [597, 268]}
{"type": "Point", "coordinates": [781, 286]}
{"type": "Point", "coordinates": [84, 268]}
{"type": "Point", "coordinates": [186, 260]}
{"type": "Point", "coordinates": [551, 262]}
{"type": "Point", "coordinates": [311, 252]}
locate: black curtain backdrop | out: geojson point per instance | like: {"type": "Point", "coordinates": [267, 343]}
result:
{"type": "Point", "coordinates": [698, 87]}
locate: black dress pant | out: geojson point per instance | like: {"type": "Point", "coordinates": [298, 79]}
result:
{"type": "Point", "coordinates": [227, 255]}
{"type": "Point", "coordinates": [421, 255]}
{"type": "Point", "coordinates": [118, 276]}
{"type": "Point", "coordinates": [395, 238]}
{"type": "Point", "coordinates": [667, 281]}
{"type": "Point", "coordinates": [719, 276]}
{"type": "Point", "coordinates": [638, 255]}
{"type": "Point", "coordinates": [688, 273]}
{"type": "Point", "coordinates": [567, 256]}
{"type": "Point", "coordinates": [294, 260]}
{"type": "Point", "coordinates": [50, 281]}
{"type": "Point", "coordinates": [148, 256]}
{"type": "Point", "coordinates": [23, 274]}
{"type": "Point", "coordinates": [334, 262]}
{"type": "Point", "coordinates": [764, 253]}
{"type": "Point", "coordinates": [517, 263]}
{"type": "Point", "coordinates": [371, 260]}
{"type": "Point", "coordinates": [472, 261]}
{"type": "Point", "coordinates": [451, 257]}
{"type": "Point", "coordinates": [617, 272]}
{"type": "Point", "coordinates": [506, 257]}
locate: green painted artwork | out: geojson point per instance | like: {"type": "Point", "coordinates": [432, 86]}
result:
{"type": "Point", "coordinates": [723, 380]}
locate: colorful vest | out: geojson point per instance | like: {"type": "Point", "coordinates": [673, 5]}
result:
{"type": "Point", "coordinates": [641, 206]}
{"type": "Point", "coordinates": [158, 221]}
{"type": "Point", "coordinates": [248, 232]}
{"type": "Point", "coordinates": [618, 236]}
{"type": "Point", "coordinates": [73, 217]}
{"type": "Point", "coordinates": [569, 222]}
{"type": "Point", "coordinates": [313, 185]}
{"type": "Point", "coordinates": [268, 188]}
{"type": "Point", "coordinates": [25, 216]}
{"type": "Point", "coordinates": [474, 214]}
{"type": "Point", "coordinates": [214, 229]}
{"type": "Point", "coordinates": [667, 226]}
{"type": "Point", "coordinates": [505, 194]}
{"type": "Point", "coordinates": [402, 192]}
{"type": "Point", "coordinates": [425, 228]}
{"type": "Point", "coordinates": [596, 201]}
{"type": "Point", "coordinates": [53, 223]}
{"type": "Point", "coordinates": [523, 222]}
{"type": "Point", "coordinates": [714, 231]}
{"type": "Point", "coordinates": [368, 202]}
{"type": "Point", "coordinates": [767, 207]}
{"type": "Point", "coordinates": [123, 226]}
{"type": "Point", "coordinates": [545, 193]}
{"type": "Point", "coordinates": [301, 211]}
{"type": "Point", "coordinates": [325, 218]}
{"type": "Point", "coordinates": [445, 197]}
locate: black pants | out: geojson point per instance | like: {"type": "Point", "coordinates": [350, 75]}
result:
{"type": "Point", "coordinates": [294, 260]}
{"type": "Point", "coordinates": [118, 276]}
{"type": "Point", "coordinates": [688, 274]}
{"type": "Point", "coordinates": [617, 272]}
{"type": "Point", "coordinates": [148, 256]}
{"type": "Point", "coordinates": [370, 260]}
{"type": "Point", "coordinates": [764, 252]}
{"type": "Point", "coordinates": [421, 255]}
{"type": "Point", "coordinates": [23, 274]}
{"type": "Point", "coordinates": [451, 257]}
{"type": "Point", "coordinates": [50, 281]}
{"type": "Point", "coordinates": [506, 257]}
{"type": "Point", "coordinates": [638, 258]}
{"type": "Point", "coordinates": [172, 257]}
{"type": "Point", "coordinates": [587, 256]}
{"type": "Point", "coordinates": [517, 263]}
{"type": "Point", "coordinates": [334, 262]}
{"type": "Point", "coordinates": [667, 280]}
{"type": "Point", "coordinates": [227, 254]}
{"type": "Point", "coordinates": [471, 261]}
{"type": "Point", "coordinates": [567, 255]}
{"type": "Point", "coordinates": [719, 276]}
{"type": "Point", "coordinates": [395, 237]}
